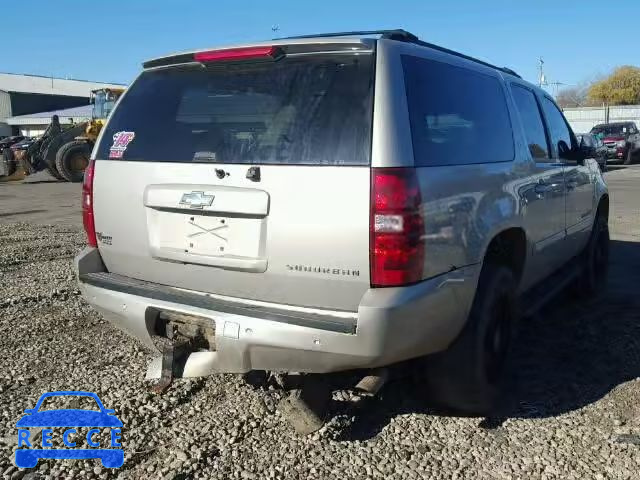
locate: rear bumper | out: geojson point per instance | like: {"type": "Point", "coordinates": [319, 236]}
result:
{"type": "Point", "coordinates": [391, 324]}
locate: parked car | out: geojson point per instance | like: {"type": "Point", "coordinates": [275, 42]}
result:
{"type": "Point", "coordinates": [594, 148]}
{"type": "Point", "coordinates": [338, 202]}
{"type": "Point", "coordinates": [7, 142]}
{"type": "Point", "coordinates": [8, 160]}
{"type": "Point", "coordinates": [622, 140]}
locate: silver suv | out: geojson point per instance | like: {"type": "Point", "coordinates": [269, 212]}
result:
{"type": "Point", "coordinates": [336, 202]}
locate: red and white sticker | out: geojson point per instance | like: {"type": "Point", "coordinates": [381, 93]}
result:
{"type": "Point", "coordinates": [121, 141]}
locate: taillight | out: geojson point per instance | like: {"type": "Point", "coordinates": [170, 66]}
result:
{"type": "Point", "coordinates": [397, 228]}
{"type": "Point", "coordinates": [87, 205]}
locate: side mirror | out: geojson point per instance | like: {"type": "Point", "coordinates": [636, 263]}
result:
{"type": "Point", "coordinates": [578, 154]}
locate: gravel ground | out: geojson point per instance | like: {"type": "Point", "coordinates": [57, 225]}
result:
{"type": "Point", "coordinates": [572, 411]}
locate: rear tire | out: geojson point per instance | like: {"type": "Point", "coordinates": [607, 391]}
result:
{"type": "Point", "coordinates": [595, 261]}
{"type": "Point", "coordinates": [72, 159]}
{"type": "Point", "coordinates": [468, 377]}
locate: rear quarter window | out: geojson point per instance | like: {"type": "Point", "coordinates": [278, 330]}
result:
{"type": "Point", "coordinates": [458, 116]}
{"type": "Point", "coordinates": [311, 110]}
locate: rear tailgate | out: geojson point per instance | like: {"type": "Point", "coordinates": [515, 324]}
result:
{"type": "Point", "coordinates": [244, 179]}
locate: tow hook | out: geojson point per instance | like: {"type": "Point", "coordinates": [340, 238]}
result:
{"type": "Point", "coordinates": [177, 335]}
{"type": "Point", "coordinates": [175, 346]}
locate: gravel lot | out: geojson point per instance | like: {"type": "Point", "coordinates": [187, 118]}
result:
{"type": "Point", "coordinates": [572, 411]}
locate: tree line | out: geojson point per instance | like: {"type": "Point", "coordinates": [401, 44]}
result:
{"type": "Point", "coordinates": [621, 87]}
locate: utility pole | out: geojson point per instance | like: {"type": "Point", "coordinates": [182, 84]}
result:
{"type": "Point", "coordinates": [541, 79]}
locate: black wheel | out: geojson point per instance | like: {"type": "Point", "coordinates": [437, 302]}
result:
{"type": "Point", "coordinates": [9, 163]}
{"type": "Point", "coordinates": [54, 172]}
{"type": "Point", "coordinates": [71, 160]}
{"type": "Point", "coordinates": [469, 375]}
{"type": "Point", "coordinates": [595, 261]}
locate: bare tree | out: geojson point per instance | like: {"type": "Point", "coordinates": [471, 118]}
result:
{"type": "Point", "coordinates": [573, 97]}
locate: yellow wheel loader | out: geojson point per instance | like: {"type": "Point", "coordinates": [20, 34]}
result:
{"type": "Point", "coordinates": [73, 156]}
{"type": "Point", "coordinates": [62, 150]}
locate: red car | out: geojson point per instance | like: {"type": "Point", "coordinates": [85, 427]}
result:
{"type": "Point", "coordinates": [622, 140]}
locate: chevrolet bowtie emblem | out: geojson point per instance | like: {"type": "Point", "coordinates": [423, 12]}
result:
{"type": "Point", "coordinates": [196, 200]}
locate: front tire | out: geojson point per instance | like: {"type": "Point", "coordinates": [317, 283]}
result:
{"type": "Point", "coordinates": [72, 159]}
{"type": "Point", "coordinates": [54, 173]}
{"type": "Point", "coordinates": [468, 377]}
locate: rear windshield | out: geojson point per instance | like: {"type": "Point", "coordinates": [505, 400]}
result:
{"type": "Point", "coordinates": [610, 129]}
{"type": "Point", "coordinates": [311, 110]}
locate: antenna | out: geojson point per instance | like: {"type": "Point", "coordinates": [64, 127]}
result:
{"type": "Point", "coordinates": [556, 86]}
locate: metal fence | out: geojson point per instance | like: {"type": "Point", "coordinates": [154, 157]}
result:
{"type": "Point", "coordinates": [582, 119]}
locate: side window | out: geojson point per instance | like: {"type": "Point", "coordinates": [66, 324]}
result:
{"type": "Point", "coordinates": [558, 129]}
{"type": "Point", "coordinates": [531, 121]}
{"type": "Point", "coordinates": [458, 116]}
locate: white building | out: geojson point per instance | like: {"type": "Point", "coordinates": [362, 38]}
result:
{"type": "Point", "coordinates": [22, 95]}
{"type": "Point", "coordinates": [35, 124]}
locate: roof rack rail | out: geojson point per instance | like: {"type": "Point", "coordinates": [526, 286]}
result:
{"type": "Point", "coordinates": [395, 34]}
{"type": "Point", "coordinates": [401, 35]}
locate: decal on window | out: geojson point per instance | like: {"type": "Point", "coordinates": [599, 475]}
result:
{"type": "Point", "coordinates": [120, 142]}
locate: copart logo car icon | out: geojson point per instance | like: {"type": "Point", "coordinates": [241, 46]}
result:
{"type": "Point", "coordinates": [68, 418]}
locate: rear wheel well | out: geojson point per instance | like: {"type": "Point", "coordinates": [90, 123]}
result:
{"type": "Point", "coordinates": [508, 248]}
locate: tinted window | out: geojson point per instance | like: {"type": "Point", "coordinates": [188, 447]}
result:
{"type": "Point", "coordinates": [458, 116]}
{"type": "Point", "coordinates": [306, 110]}
{"type": "Point", "coordinates": [531, 121]}
{"type": "Point", "coordinates": [558, 129]}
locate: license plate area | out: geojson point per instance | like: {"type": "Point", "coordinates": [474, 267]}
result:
{"type": "Point", "coordinates": [231, 242]}
{"type": "Point", "coordinates": [219, 236]}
